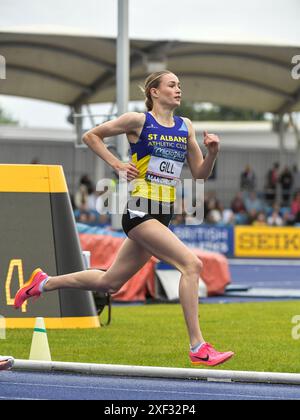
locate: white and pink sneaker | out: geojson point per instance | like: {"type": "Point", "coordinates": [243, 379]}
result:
{"type": "Point", "coordinates": [31, 289]}
{"type": "Point", "coordinates": [208, 356]}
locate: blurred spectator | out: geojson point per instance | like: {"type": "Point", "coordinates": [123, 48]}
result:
{"type": "Point", "coordinates": [252, 216]}
{"type": "Point", "coordinates": [286, 180]}
{"type": "Point", "coordinates": [86, 197]}
{"type": "Point", "coordinates": [214, 211]}
{"type": "Point", "coordinates": [79, 203]}
{"type": "Point", "coordinates": [209, 195]}
{"type": "Point", "coordinates": [92, 200]}
{"type": "Point", "coordinates": [238, 205]}
{"type": "Point", "coordinates": [275, 219]}
{"type": "Point", "coordinates": [239, 209]}
{"type": "Point", "coordinates": [228, 217]}
{"type": "Point", "coordinates": [296, 176]}
{"type": "Point", "coordinates": [295, 208]}
{"type": "Point", "coordinates": [272, 182]}
{"type": "Point", "coordinates": [85, 180]}
{"type": "Point", "coordinates": [248, 179]}
{"type": "Point", "coordinates": [254, 203]}
{"type": "Point", "coordinates": [288, 219]}
{"type": "Point", "coordinates": [87, 200]}
{"type": "Point", "coordinates": [81, 198]}
{"type": "Point", "coordinates": [214, 216]}
{"type": "Point", "coordinates": [260, 219]}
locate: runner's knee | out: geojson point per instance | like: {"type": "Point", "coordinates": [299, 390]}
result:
{"type": "Point", "coordinates": [109, 288]}
{"type": "Point", "coordinates": [113, 289]}
{"type": "Point", "coordinates": [193, 266]}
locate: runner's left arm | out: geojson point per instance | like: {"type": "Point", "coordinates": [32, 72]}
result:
{"type": "Point", "coordinates": [201, 168]}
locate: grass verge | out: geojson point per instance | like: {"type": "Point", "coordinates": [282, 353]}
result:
{"type": "Point", "coordinates": [154, 335]}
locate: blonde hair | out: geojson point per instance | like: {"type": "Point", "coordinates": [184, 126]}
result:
{"type": "Point", "coordinates": [152, 81]}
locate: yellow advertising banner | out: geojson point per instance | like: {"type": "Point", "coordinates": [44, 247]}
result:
{"type": "Point", "coordinates": [267, 242]}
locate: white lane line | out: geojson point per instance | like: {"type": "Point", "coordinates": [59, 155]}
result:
{"type": "Point", "coordinates": [153, 391]}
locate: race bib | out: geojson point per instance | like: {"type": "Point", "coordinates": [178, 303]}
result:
{"type": "Point", "coordinates": [165, 167]}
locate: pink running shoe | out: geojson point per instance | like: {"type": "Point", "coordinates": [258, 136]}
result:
{"type": "Point", "coordinates": [6, 362]}
{"type": "Point", "coordinates": [208, 356]}
{"type": "Point", "coordinates": [31, 288]}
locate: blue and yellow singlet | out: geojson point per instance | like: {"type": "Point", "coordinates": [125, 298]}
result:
{"type": "Point", "coordinates": [159, 155]}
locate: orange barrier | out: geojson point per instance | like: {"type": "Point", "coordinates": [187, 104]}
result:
{"type": "Point", "coordinates": [104, 250]}
{"type": "Point", "coordinates": [215, 273]}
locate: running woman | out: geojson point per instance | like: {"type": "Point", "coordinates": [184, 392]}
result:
{"type": "Point", "coordinates": [160, 142]}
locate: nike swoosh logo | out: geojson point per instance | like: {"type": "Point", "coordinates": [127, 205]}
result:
{"type": "Point", "coordinates": [206, 359]}
{"type": "Point", "coordinates": [29, 290]}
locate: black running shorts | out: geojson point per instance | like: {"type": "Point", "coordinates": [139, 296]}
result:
{"type": "Point", "coordinates": [139, 209]}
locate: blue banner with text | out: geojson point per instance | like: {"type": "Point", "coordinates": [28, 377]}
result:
{"type": "Point", "coordinates": [208, 238]}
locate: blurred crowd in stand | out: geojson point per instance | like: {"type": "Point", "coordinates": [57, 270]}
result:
{"type": "Point", "coordinates": [277, 205]}
{"type": "Point", "coordinates": [88, 203]}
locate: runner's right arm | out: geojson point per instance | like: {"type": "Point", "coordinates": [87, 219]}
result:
{"type": "Point", "coordinates": [126, 124]}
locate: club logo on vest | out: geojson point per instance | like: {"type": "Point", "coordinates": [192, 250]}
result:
{"type": "Point", "coordinates": [152, 126]}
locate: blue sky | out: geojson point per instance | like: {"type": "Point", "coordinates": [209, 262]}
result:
{"type": "Point", "coordinates": [262, 21]}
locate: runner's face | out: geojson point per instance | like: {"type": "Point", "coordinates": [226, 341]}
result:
{"type": "Point", "coordinates": [169, 91]}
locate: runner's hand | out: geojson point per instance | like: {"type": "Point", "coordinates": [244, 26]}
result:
{"type": "Point", "coordinates": [127, 171]}
{"type": "Point", "coordinates": [212, 143]}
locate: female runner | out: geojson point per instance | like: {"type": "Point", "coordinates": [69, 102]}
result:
{"type": "Point", "coordinates": [160, 142]}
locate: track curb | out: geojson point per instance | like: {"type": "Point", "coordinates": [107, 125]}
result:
{"type": "Point", "coordinates": [159, 372]}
